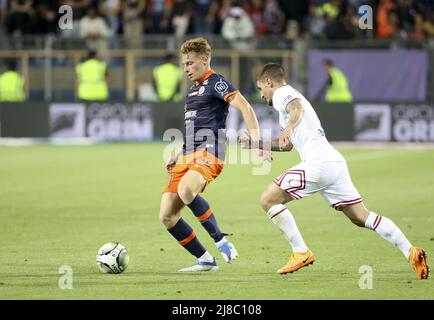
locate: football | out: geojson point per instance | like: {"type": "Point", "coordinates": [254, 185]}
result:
{"type": "Point", "coordinates": [112, 257]}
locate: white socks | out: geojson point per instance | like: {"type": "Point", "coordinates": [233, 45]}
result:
{"type": "Point", "coordinates": [282, 218]}
{"type": "Point", "coordinates": [221, 242]}
{"type": "Point", "coordinates": [206, 257]}
{"type": "Point", "coordinates": [389, 231]}
{"type": "Point", "coordinates": [385, 227]}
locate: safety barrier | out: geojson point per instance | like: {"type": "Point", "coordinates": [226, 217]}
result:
{"type": "Point", "coordinates": [138, 121]}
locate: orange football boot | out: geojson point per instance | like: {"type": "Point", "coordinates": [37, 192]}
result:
{"type": "Point", "coordinates": [296, 261]}
{"type": "Point", "coordinates": [417, 258]}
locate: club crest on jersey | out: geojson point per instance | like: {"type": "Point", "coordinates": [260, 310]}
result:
{"type": "Point", "coordinates": [221, 87]}
{"type": "Point", "coordinates": [201, 90]}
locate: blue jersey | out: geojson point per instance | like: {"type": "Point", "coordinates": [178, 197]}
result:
{"type": "Point", "coordinates": [206, 109]}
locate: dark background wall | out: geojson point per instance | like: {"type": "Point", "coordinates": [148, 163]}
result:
{"type": "Point", "coordinates": [409, 122]}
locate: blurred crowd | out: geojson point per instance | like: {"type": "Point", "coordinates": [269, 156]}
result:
{"type": "Point", "coordinates": [240, 20]}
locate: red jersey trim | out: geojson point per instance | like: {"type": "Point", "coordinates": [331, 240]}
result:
{"type": "Point", "coordinates": [230, 94]}
{"type": "Point", "coordinates": [207, 74]}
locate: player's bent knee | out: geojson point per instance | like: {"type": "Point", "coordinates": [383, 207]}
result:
{"type": "Point", "coordinates": [168, 220]}
{"type": "Point", "coordinates": [190, 185]}
{"type": "Point", "coordinates": [266, 201]}
{"type": "Point", "coordinates": [358, 222]}
{"type": "Point", "coordinates": [185, 193]}
{"type": "Point", "coordinates": [357, 214]}
{"type": "Point", "coordinates": [164, 219]}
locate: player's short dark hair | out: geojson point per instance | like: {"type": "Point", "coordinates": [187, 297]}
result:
{"type": "Point", "coordinates": [273, 71]}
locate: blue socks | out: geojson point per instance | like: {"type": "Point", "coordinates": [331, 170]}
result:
{"type": "Point", "coordinates": [186, 237]}
{"type": "Point", "coordinates": [202, 211]}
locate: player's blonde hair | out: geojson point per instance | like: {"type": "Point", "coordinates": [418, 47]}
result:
{"type": "Point", "coordinates": [198, 45]}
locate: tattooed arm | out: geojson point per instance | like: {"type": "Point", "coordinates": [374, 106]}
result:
{"type": "Point", "coordinates": [246, 143]}
{"type": "Point", "coordinates": [295, 114]}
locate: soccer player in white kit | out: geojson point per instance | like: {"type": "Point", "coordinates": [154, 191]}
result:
{"type": "Point", "coordinates": [322, 169]}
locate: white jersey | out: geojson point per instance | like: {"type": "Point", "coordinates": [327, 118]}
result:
{"type": "Point", "coordinates": [308, 137]}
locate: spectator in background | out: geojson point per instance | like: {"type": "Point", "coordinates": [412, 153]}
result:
{"type": "Point", "coordinates": [167, 80]}
{"type": "Point", "coordinates": [133, 21]}
{"type": "Point", "coordinates": [94, 30]}
{"type": "Point", "coordinates": [314, 23]}
{"type": "Point", "coordinates": [92, 78]}
{"type": "Point", "coordinates": [407, 12]}
{"type": "Point", "coordinates": [339, 22]}
{"type": "Point", "coordinates": [257, 15]}
{"type": "Point", "coordinates": [428, 26]}
{"type": "Point", "coordinates": [295, 9]}
{"type": "Point", "coordinates": [159, 19]}
{"type": "Point", "coordinates": [45, 19]}
{"type": "Point", "coordinates": [292, 30]}
{"type": "Point", "coordinates": [204, 17]}
{"type": "Point", "coordinates": [351, 21]}
{"type": "Point", "coordinates": [3, 12]}
{"type": "Point", "coordinates": [418, 32]}
{"type": "Point", "coordinates": [339, 28]}
{"type": "Point", "coordinates": [111, 10]}
{"type": "Point", "coordinates": [181, 14]}
{"type": "Point", "coordinates": [393, 20]}
{"type": "Point", "coordinates": [11, 84]}
{"type": "Point", "coordinates": [274, 17]}
{"type": "Point", "coordinates": [238, 29]}
{"type": "Point", "coordinates": [223, 13]}
{"type": "Point", "coordinates": [18, 16]}
{"type": "Point", "coordinates": [385, 25]}
{"type": "Point", "coordinates": [332, 8]}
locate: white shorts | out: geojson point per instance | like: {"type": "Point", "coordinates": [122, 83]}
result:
{"type": "Point", "coordinates": [330, 178]}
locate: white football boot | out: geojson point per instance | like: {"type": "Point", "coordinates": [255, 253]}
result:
{"type": "Point", "coordinates": [227, 250]}
{"type": "Point", "coordinates": [201, 266]}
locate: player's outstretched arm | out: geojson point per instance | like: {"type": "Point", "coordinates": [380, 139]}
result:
{"type": "Point", "coordinates": [239, 102]}
{"type": "Point", "coordinates": [246, 143]}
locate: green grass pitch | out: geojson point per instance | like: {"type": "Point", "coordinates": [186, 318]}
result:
{"type": "Point", "coordinates": [58, 205]}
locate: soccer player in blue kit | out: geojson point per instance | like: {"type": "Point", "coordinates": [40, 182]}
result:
{"type": "Point", "coordinates": [202, 156]}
